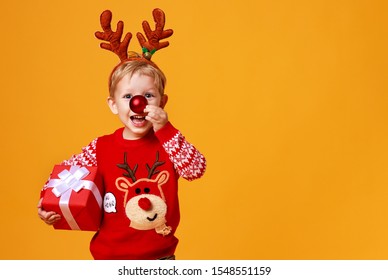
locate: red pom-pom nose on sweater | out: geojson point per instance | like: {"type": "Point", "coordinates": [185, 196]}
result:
{"type": "Point", "coordinates": [138, 104]}
{"type": "Point", "coordinates": [145, 203]}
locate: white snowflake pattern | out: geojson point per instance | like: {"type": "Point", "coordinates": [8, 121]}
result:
{"type": "Point", "coordinates": [188, 161]}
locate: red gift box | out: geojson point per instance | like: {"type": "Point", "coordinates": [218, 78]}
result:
{"type": "Point", "coordinates": [75, 193]}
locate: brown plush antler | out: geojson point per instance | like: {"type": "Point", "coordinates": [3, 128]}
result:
{"type": "Point", "coordinates": [114, 38]}
{"type": "Point", "coordinates": [153, 44]}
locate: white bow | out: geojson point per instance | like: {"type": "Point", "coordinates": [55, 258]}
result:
{"type": "Point", "coordinates": [70, 179]}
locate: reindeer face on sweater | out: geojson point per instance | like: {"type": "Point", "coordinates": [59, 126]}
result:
{"type": "Point", "coordinates": [144, 200]}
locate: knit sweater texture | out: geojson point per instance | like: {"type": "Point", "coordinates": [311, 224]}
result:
{"type": "Point", "coordinates": [140, 178]}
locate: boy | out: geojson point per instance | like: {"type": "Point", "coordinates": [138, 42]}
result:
{"type": "Point", "coordinates": [141, 162]}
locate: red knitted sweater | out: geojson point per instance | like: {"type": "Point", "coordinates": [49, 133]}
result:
{"type": "Point", "coordinates": [141, 208]}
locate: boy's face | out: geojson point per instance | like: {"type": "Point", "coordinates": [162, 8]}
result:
{"type": "Point", "coordinates": [136, 126]}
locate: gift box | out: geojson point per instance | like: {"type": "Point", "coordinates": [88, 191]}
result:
{"type": "Point", "coordinates": [74, 192]}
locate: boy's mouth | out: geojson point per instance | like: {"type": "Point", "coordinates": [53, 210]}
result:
{"type": "Point", "coordinates": [138, 120]}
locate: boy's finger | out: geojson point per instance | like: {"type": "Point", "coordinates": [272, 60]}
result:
{"type": "Point", "coordinates": [54, 218]}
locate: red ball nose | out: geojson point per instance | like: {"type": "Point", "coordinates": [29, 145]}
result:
{"type": "Point", "coordinates": [145, 203]}
{"type": "Point", "coordinates": [138, 104]}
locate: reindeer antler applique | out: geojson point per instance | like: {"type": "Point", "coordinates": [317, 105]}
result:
{"type": "Point", "coordinates": [152, 170]}
{"type": "Point", "coordinates": [120, 48]}
{"type": "Point", "coordinates": [130, 173]}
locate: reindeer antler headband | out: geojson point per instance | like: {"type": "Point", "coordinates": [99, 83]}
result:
{"type": "Point", "coordinates": [149, 45]}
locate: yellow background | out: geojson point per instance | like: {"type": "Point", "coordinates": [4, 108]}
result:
{"type": "Point", "coordinates": [287, 100]}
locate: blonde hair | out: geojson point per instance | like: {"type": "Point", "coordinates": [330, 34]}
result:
{"type": "Point", "coordinates": [137, 66]}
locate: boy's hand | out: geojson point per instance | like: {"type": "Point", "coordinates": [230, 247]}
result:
{"type": "Point", "coordinates": [49, 218]}
{"type": "Point", "coordinates": [157, 116]}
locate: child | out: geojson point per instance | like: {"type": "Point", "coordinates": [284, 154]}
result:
{"type": "Point", "coordinates": [141, 162]}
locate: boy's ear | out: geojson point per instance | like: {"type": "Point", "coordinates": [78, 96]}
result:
{"type": "Point", "coordinates": [164, 100]}
{"type": "Point", "coordinates": [112, 105]}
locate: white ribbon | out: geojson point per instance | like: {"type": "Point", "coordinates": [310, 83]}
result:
{"type": "Point", "coordinates": [71, 180]}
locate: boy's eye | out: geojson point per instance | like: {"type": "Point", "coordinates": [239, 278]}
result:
{"type": "Point", "coordinates": [128, 96]}
{"type": "Point", "coordinates": [148, 95]}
